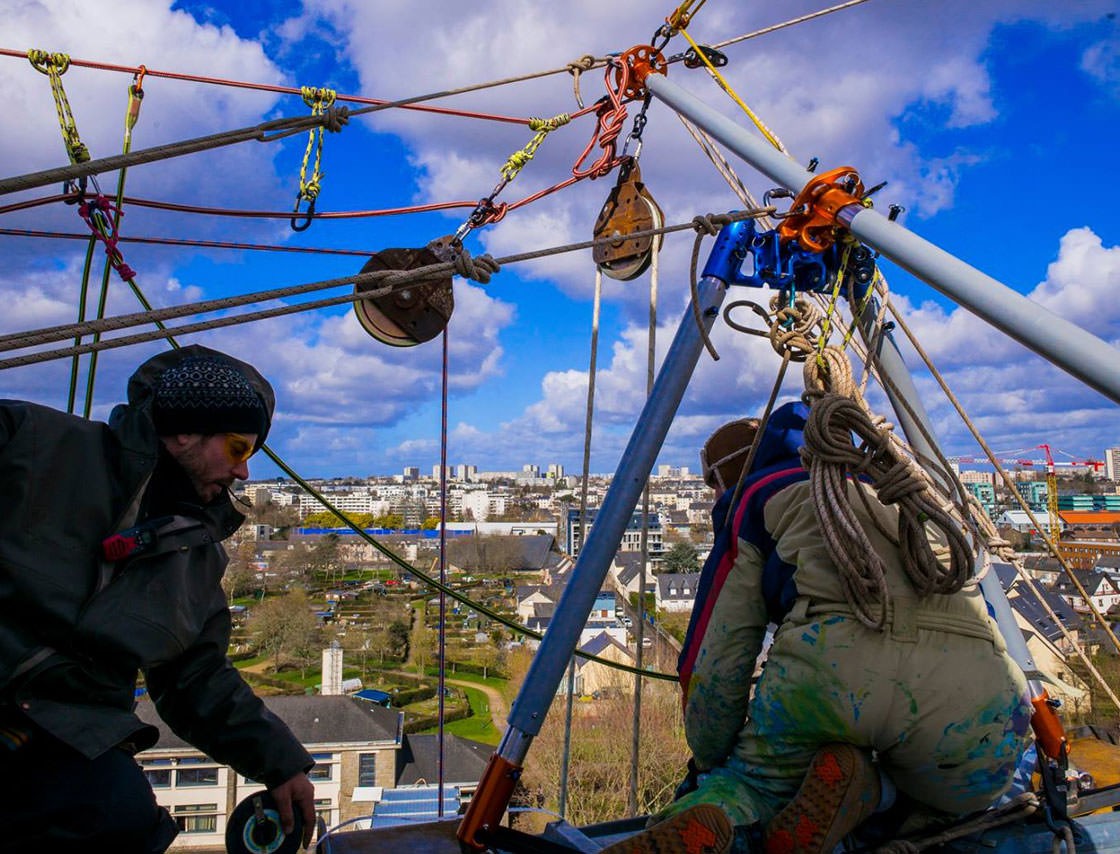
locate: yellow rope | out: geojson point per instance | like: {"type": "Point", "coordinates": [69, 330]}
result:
{"type": "Point", "coordinates": [318, 100]}
{"type": "Point", "coordinates": [682, 16]}
{"type": "Point", "coordinates": [54, 65]}
{"type": "Point", "coordinates": [727, 88]}
{"type": "Point", "coordinates": [826, 324]}
{"type": "Point", "coordinates": [543, 127]}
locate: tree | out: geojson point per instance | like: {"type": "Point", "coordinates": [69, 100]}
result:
{"type": "Point", "coordinates": [681, 558]}
{"type": "Point", "coordinates": [430, 524]}
{"type": "Point", "coordinates": [398, 638]}
{"type": "Point", "coordinates": [327, 519]}
{"type": "Point", "coordinates": [240, 577]}
{"type": "Point", "coordinates": [323, 557]}
{"type": "Point", "coordinates": [284, 626]}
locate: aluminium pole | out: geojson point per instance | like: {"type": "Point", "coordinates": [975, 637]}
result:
{"type": "Point", "coordinates": [596, 552]}
{"type": "Point", "coordinates": [1079, 353]}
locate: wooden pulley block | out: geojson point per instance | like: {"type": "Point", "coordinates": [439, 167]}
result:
{"type": "Point", "coordinates": [629, 208]}
{"type": "Point", "coordinates": [419, 311]}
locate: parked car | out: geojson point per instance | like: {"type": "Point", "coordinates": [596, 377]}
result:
{"type": "Point", "coordinates": [647, 642]}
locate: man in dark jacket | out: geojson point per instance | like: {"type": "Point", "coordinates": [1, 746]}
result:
{"type": "Point", "coordinates": [110, 563]}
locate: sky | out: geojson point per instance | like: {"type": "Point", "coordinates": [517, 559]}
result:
{"type": "Point", "coordinates": [993, 121]}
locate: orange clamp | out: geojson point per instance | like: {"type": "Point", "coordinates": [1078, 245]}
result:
{"type": "Point", "coordinates": [634, 66]}
{"type": "Point", "coordinates": [1047, 728]}
{"type": "Point", "coordinates": [818, 203]}
{"type": "Point", "coordinates": [490, 801]}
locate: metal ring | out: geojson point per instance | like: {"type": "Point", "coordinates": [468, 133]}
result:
{"type": "Point", "coordinates": [757, 309]}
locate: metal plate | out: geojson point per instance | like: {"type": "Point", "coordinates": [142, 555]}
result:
{"type": "Point", "coordinates": [413, 315]}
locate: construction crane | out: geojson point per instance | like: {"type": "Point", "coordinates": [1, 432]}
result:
{"type": "Point", "coordinates": [1055, 521]}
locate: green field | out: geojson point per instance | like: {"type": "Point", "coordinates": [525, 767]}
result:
{"type": "Point", "coordinates": [479, 726]}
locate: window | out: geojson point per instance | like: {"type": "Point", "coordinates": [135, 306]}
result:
{"type": "Point", "coordinates": [367, 769]}
{"type": "Point", "coordinates": [192, 818]}
{"type": "Point", "coordinates": [323, 810]}
{"type": "Point", "coordinates": [323, 768]}
{"type": "Point", "coordinates": [196, 777]}
{"type": "Point", "coordinates": [158, 778]}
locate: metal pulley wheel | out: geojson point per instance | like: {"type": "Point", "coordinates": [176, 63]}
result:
{"type": "Point", "coordinates": [629, 208]}
{"type": "Point", "coordinates": [254, 828]}
{"type": "Point", "coordinates": [417, 312]}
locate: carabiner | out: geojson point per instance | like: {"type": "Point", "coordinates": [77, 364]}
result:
{"type": "Point", "coordinates": [307, 217]}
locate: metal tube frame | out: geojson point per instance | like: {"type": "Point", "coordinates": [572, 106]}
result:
{"type": "Point", "coordinates": [1079, 353]}
{"type": "Point", "coordinates": [596, 553]}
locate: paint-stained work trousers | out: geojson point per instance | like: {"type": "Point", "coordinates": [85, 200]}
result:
{"type": "Point", "coordinates": [909, 693]}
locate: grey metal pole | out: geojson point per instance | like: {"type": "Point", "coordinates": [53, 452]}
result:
{"type": "Point", "coordinates": [595, 555]}
{"type": "Point", "coordinates": [1079, 353]}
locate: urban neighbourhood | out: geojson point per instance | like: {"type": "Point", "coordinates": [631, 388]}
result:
{"type": "Point", "coordinates": [342, 640]}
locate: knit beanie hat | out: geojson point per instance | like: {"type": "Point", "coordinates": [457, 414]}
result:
{"type": "Point", "coordinates": [207, 394]}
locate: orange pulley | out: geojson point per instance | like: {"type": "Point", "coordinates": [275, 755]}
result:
{"type": "Point", "coordinates": [629, 208]}
{"type": "Point", "coordinates": [814, 224]}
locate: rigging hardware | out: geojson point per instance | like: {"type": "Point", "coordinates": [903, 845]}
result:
{"type": "Point", "coordinates": [634, 66]}
{"type": "Point", "coordinates": [415, 314]}
{"type": "Point", "coordinates": [629, 208]}
{"type": "Point", "coordinates": [813, 224]}
{"type": "Point", "coordinates": [715, 57]}
{"type": "Point", "coordinates": [786, 265]}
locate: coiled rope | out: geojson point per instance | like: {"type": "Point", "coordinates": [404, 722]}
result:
{"type": "Point", "coordinates": [829, 453]}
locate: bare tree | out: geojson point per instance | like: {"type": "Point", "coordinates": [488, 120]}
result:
{"type": "Point", "coordinates": [284, 625]}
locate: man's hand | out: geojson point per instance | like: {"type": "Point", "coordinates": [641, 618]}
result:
{"type": "Point", "coordinates": [297, 790]}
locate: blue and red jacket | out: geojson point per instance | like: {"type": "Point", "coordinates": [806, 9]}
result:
{"type": "Point", "coordinates": [776, 466]}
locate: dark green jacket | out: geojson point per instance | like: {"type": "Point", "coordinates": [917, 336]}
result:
{"type": "Point", "coordinates": [75, 628]}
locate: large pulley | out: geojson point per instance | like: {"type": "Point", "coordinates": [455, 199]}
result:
{"type": "Point", "coordinates": [629, 209]}
{"type": "Point", "coordinates": [417, 312]}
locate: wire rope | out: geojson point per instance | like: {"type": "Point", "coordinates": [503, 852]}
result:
{"type": "Point", "coordinates": [393, 280]}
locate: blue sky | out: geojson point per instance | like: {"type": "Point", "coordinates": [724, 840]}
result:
{"type": "Point", "coordinates": [994, 121]}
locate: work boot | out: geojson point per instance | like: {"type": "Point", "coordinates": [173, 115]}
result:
{"type": "Point", "coordinates": [840, 791]}
{"type": "Point", "coordinates": [702, 829]}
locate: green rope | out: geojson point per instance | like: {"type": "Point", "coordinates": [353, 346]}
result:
{"type": "Point", "coordinates": [432, 582]}
{"type": "Point", "coordinates": [82, 297]}
{"type": "Point", "coordinates": [135, 98]}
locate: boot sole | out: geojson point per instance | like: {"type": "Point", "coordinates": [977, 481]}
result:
{"type": "Point", "coordinates": [702, 829]}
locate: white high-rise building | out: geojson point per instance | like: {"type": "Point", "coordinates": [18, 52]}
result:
{"type": "Point", "coordinates": [555, 471]}
{"type": "Point", "coordinates": [411, 473]}
{"type": "Point", "coordinates": [332, 670]}
{"type": "Point", "coordinates": [1112, 463]}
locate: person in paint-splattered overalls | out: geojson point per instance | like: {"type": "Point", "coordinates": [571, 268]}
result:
{"type": "Point", "coordinates": [934, 694]}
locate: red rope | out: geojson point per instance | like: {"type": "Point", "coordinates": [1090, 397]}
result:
{"type": "Point", "coordinates": [612, 116]}
{"type": "Point", "coordinates": [285, 90]}
{"type": "Point", "coordinates": [34, 203]}
{"type": "Point", "coordinates": [103, 218]}
{"type": "Point", "coordinates": [176, 241]}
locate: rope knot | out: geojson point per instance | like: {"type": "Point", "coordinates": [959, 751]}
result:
{"type": "Point", "coordinates": [710, 224]}
{"type": "Point", "coordinates": [584, 63]}
{"type": "Point", "coordinates": [791, 327]}
{"type": "Point", "coordinates": [46, 62]}
{"type": "Point", "coordinates": [336, 118]}
{"type": "Point", "coordinates": [476, 269]}
{"type": "Point", "coordinates": [315, 96]}
{"type": "Point", "coordinates": [545, 125]}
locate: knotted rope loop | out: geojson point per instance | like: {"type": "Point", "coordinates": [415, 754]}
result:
{"type": "Point", "coordinates": [791, 327]}
{"type": "Point", "coordinates": [710, 224]}
{"type": "Point", "coordinates": [54, 65]}
{"type": "Point", "coordinates": [542, 127]}
{"type": "Point", "coordinates": [611, 116]}
{"type": "Point", "coordinates": [46, 62]}
{"type": "Point", "coordinates": [476, 269]}
{"type": "Point", "coordinates": [576, 67]}
{"type": "Point", "coordinates": [321, 101]}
